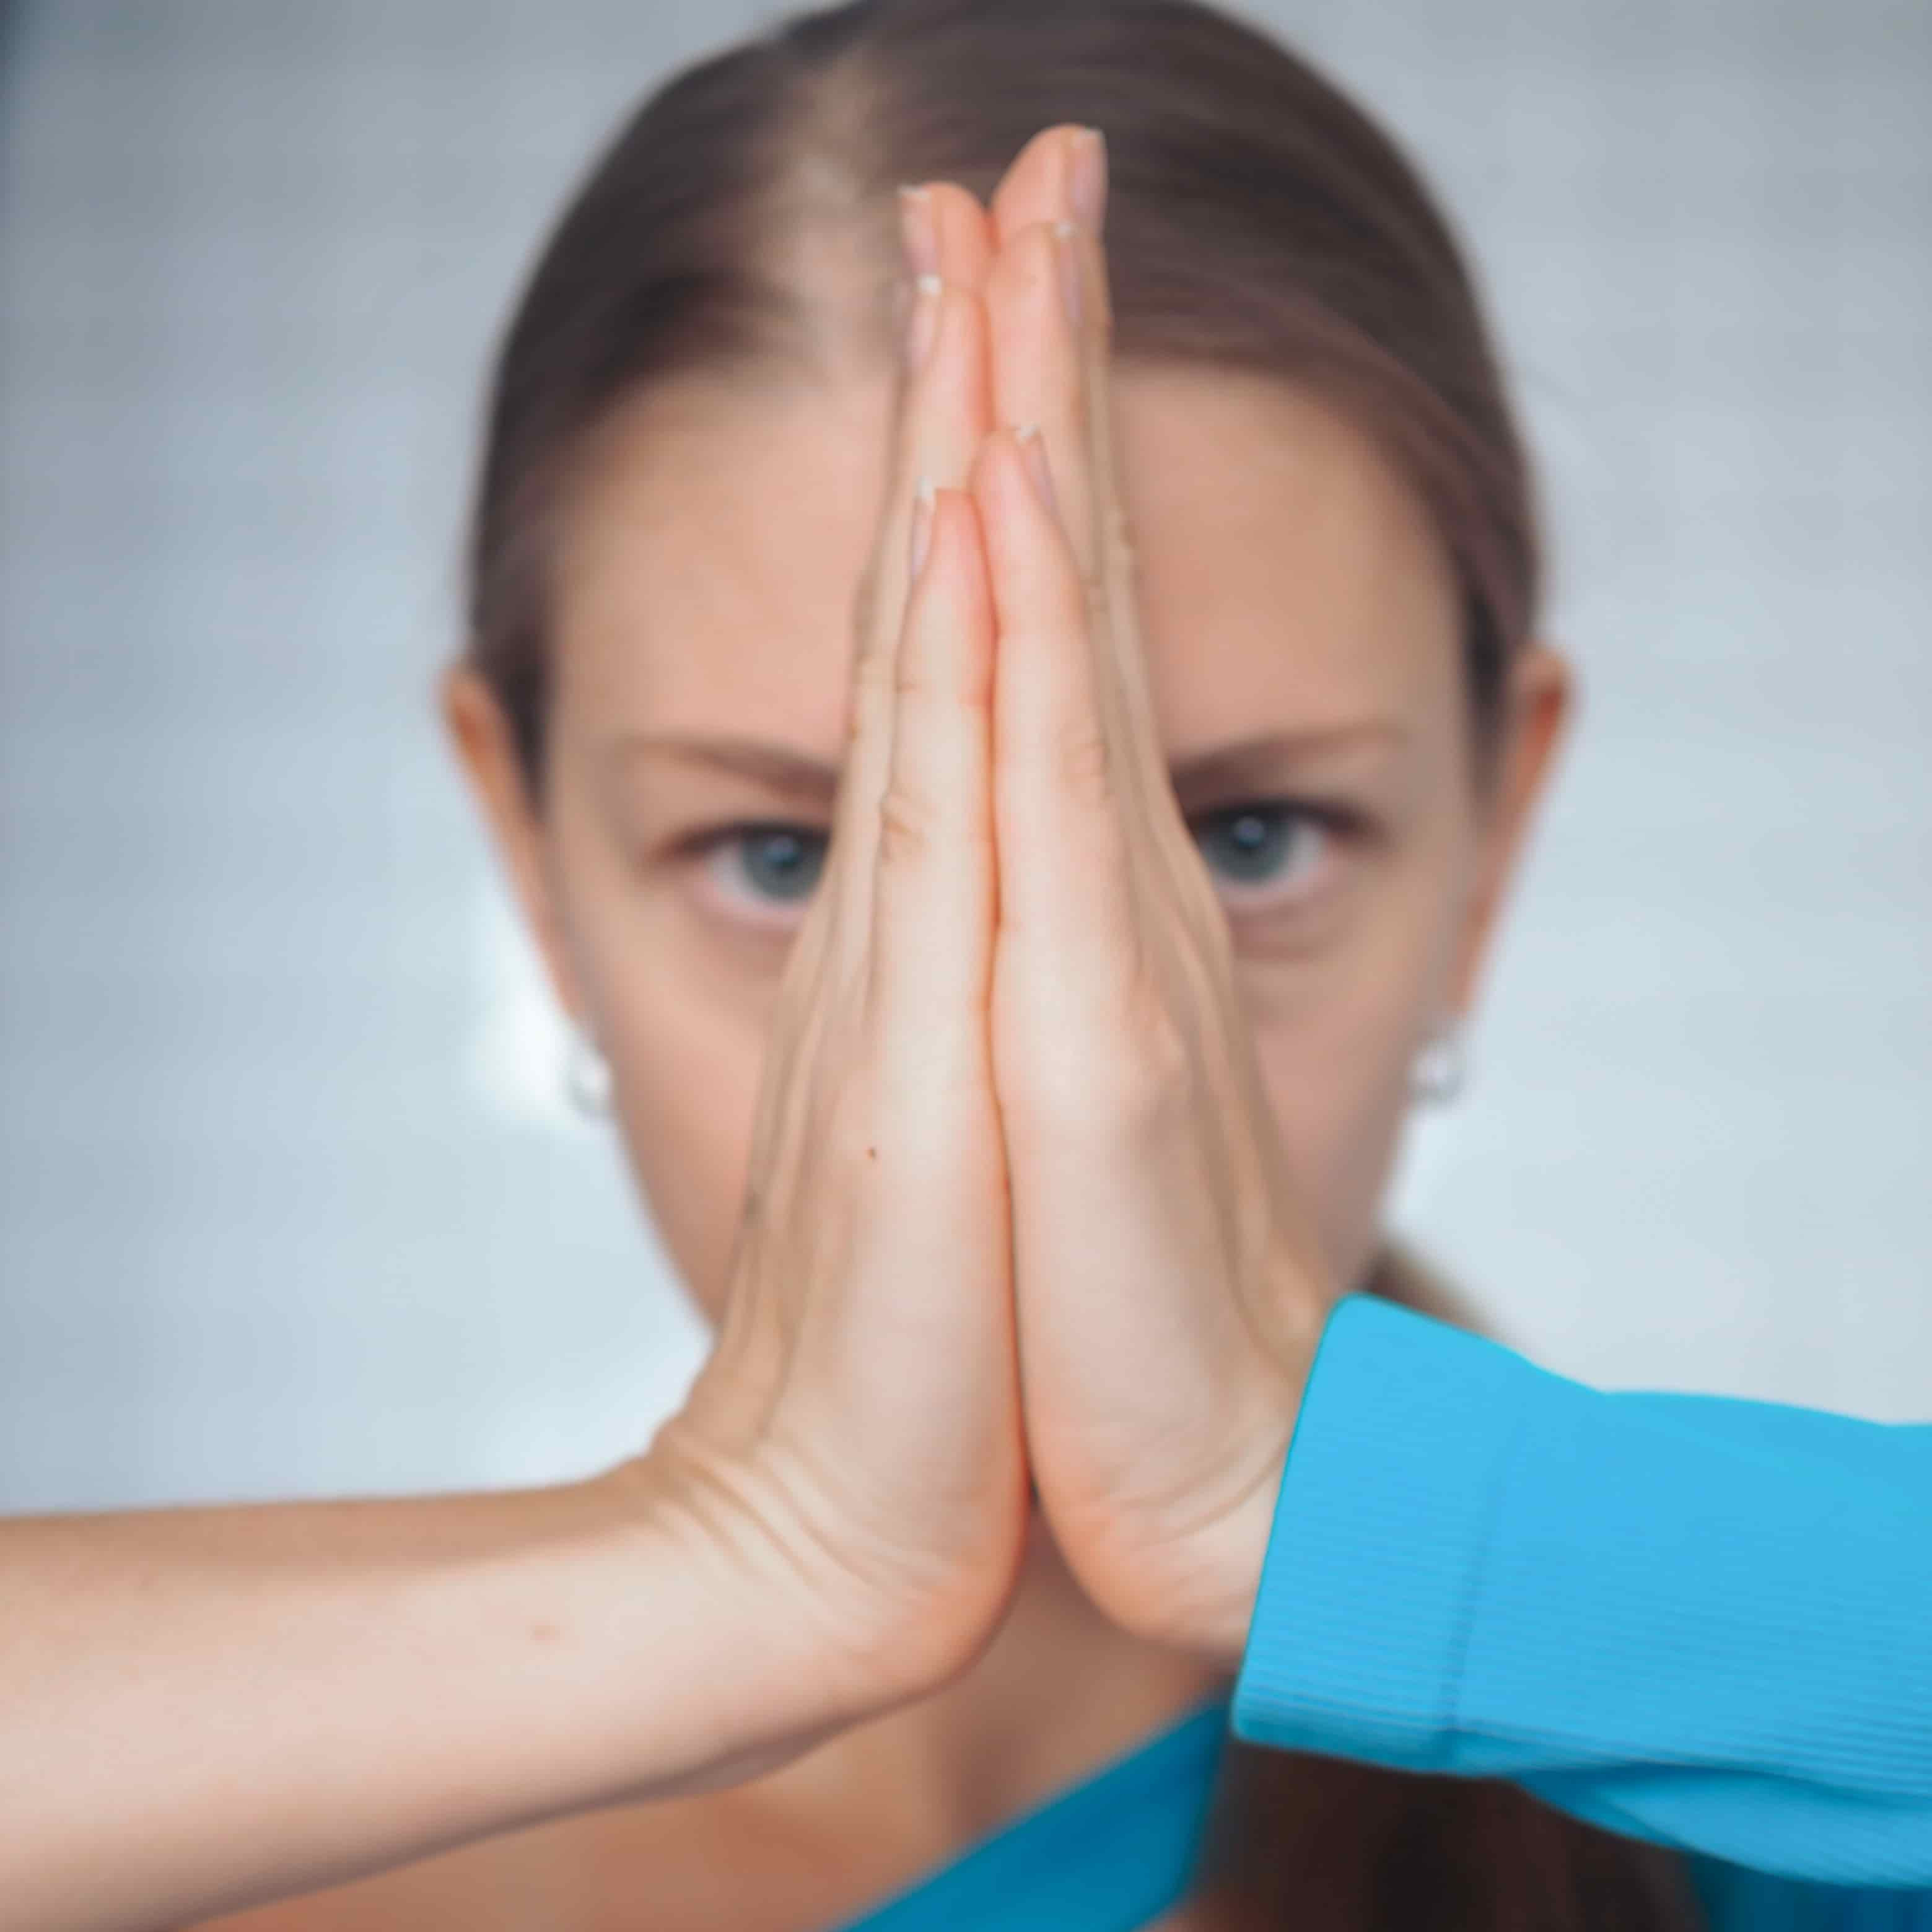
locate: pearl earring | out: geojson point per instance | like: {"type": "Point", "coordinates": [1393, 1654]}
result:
{"type": "Point", "coordinates": [587, 1074]}
{"type": "Point", "coordinates": [1439, 1070]}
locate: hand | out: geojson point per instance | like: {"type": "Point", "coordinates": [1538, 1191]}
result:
{"type": "Point", "coordinates": [1170, 1290]}
{"type": "Point", "coordinates": [854, 1438]}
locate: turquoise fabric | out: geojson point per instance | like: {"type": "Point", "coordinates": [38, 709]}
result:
{"type": "Point", "coordinates": [1110, 1855]}
{"type": "Point", "coordinates": [1697, 1620]}
{"type": "Point", "coordinates": [1117, 1850]}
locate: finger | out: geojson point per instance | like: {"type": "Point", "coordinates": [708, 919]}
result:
{"type": "Point", "coordinates": [1053, 369]}
{"type": "Point", "coordinates": [948, 233]}
{"type": "Point", "coordinates": [1046, 371]}
{"type": "Point", "coordinates": [1096, 465]}
{"type": "Point", "coordinates": [1041, 355]}
{"type": "Point", "coordinates": [1065, 887]}
{"type": "Point", "coordinates": [933, 906]}
{"type": "Point", "coordinates": [1060, 174]}
{"type": "Point", "coordinates": [1040, 374]}
{"type": "Point", "coordinates": [946, 411]}
{"type": "Point", "coordinates": [947, 245]}
{"type": "Point", "coordinates": [967, 243]}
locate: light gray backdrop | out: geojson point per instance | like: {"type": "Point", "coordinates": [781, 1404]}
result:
{"type": "Point", "coordinates": [286, 1204]}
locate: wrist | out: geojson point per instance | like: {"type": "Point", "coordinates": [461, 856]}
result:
{"type": "Point", "coordinates": [1209, 1607]}
{"type": "Point", "coordinates": [1213, 1577]}
{"type": "Point", "coordinates": [716, 1630]}
{"type": "Point", "coordinates": [1229, 1615]}
{"type": "Point", "coordinates": [790, 1653]}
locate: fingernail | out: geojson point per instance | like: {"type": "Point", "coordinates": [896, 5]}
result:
{"type": "Point", "coordinates": [1086, 186]}
{"type": "Point", "coordinates": [923, 328]}
{"type": "Point", "coordinates": [1066, 239]}
{"type": "Point", "coordinates": [922, 506]}
{"type": "Point", "coordinates": [918, 232]}
{"type": "Point", "coordinates": [1033, 447]}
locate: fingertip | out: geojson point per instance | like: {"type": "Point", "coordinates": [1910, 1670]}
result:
{"type": "Point", "coordinates": [980, 469]}
{"type": "Point", "coordinates": [1035, 186]}
{"type": "Point", "coordinates": [964, 234]}
{"type": "Point", "coordinates": [955, 555]}
{"type": "Point", "coordinates": [982, 485]}
{"type": "Point", "coordinates": [924, 507]}
{"type": "Point", "coordinates": [970, 538]}
{"type": "Point", "coordinates": [1025, 274]}
{"type": "Point", "coordinates": [960, 360]}
{"type": "Point", "coordinates": [1032, 447]}
{"type": "Point", "coordinates": [1003, 479]}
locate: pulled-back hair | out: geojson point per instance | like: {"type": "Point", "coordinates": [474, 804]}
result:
{"type": "Point", "coordinates": [1257, 220]}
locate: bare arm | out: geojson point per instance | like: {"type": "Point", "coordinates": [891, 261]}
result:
{"type": "Point", "coordinates": [201, 1709]}
{"type": "Point", "coordinates": [204, 1709]}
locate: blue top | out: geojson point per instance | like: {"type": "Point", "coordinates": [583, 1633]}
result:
{"type": "Point", "coordinates": [1693, 1619]}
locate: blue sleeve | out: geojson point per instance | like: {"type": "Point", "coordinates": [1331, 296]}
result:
{"type": "Point", "coordinates": [1697, 1620]}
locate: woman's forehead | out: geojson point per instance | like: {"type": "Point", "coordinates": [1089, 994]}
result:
{"type": "Point", "coordinates": [709, 564]}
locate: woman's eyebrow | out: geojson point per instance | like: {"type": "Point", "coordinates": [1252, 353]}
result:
{"type": "Point", "coordinates": [790, 774]}
{"type": "Point", "coordinates": [1260, 761]}
{"type": "Point", "coordinates": [813, 782]}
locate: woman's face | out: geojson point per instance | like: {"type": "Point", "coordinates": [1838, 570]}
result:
{"type": "Point", "coordinates": [1300, 621]}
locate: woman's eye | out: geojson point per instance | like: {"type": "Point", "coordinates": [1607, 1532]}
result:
{"type": "Point", "coordinates": [1265, 854]}
{"type": "Point", "coordinates": [767, 869]}
{"type": "Point", "coordinates": [1270, 853]}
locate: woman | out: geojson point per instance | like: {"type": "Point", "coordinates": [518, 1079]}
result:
{"type": "Point", "coordinates": [1090, 915]}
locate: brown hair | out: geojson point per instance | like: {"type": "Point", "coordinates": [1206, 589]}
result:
{"type": "Point", "coordinates": [1258, 220]}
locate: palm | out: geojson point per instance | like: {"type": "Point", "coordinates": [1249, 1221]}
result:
{"type": "Point", "coordinates": [1162, 1278]}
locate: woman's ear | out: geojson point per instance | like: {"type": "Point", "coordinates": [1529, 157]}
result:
{"type": "Point", "coordinates": [1539, 707]}
{"type": "Point", "coordinates": [485, 746]}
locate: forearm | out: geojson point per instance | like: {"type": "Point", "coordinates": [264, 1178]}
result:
{"type": "Point", "coordinates": [1692, 1618]}
{"type": "Point", "coordinates": [201, 1709]}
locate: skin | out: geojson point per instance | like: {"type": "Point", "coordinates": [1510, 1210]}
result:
{"type": "Point", "coordinates": [1281, 583]}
